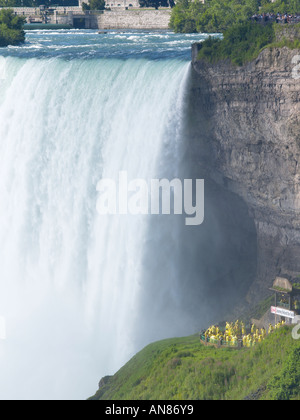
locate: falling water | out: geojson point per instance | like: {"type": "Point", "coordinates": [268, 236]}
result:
{"type": "Point", "coordinates": [70, 279]}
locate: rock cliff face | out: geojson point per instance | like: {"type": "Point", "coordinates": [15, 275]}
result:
{"type": "Point", "coordinates": [246, 138]}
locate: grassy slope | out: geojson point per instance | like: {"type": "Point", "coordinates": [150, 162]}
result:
{"type": "Point", "coordinates": [182, 368]}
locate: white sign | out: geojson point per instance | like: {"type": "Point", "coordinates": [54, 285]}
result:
{"type": "Point", "coordinates": [282, 312]}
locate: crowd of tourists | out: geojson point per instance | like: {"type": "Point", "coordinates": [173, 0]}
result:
{"type": "Point", "coordinates": [278, 18]}
{"type": "Point", "coordinates": [237, 332]}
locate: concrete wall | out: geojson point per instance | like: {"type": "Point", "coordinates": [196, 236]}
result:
{"type": "Point", "coordinates": [91, 20]}
{"type": "Point", "coordinates": [135, 19]}
{"type": "Point", "coordinates": [114, 19]}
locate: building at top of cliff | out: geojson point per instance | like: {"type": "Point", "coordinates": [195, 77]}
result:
{"type": "Point", "coordinates": [122, 4]}
{"type": "Point", "coordinates": [118, 4]}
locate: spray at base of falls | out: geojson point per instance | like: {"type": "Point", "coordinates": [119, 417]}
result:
{"type": "Point", "coordinates": [70, 281]}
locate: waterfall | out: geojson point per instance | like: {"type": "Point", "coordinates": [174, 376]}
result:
{"type": "Point", "coordinates": [72, 282]}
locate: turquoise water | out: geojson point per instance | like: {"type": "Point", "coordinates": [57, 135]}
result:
{"type": "Point", "coordinates": [71, 44]}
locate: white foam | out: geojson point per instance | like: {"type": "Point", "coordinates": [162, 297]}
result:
{"type": "Point", "coordinates": [71, 281]}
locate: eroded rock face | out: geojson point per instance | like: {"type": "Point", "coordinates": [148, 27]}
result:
{"type": "Point", "coordinates": [246, 137]}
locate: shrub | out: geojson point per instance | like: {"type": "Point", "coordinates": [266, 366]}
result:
{"type": "Point", "coordinates": [219, 15]}
{"type": "Point", "coordinates": [11, 28]}
{"type": "Point", "coordinates": [241, 43]}
{"type": "Point", "coordinates": [285, 386]}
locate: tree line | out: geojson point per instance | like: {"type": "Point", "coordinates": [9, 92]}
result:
{"type": "Point", "coordinates": [243, 38]}
{"type": "Point", "coordinates": [218, 15]}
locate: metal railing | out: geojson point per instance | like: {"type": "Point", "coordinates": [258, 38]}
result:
{"type": "Point", "coordinates": [284, 305]}
{"type": "Point", "coordinates": [236, 344]}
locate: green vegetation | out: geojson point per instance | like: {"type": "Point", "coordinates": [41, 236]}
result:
{"type": "Point", "coordinates": [219, 15]}
{"type": "Point", "coordinates": [11, 29]}
{"type": "Point", "coordinates": [243, 39]}
{"type": "Point", "coordinates": [213, 16]}
{"type": "Point", "coordinates": [280, 289]}
{"type": "Point", "coordinates": [94, 5]}
{"type": "Point", "coordinates": [285, 386]}
{"type": "Point", "coordinates": [241, 43]}
{"type": "Point", "coordinates": [183, 368]}
{"type": "Point", "coordinates": [281, 6]}
{"type": "Point", "coordinates": [10, 3]}
{"type": "Point", "coordinates": [157, 3]}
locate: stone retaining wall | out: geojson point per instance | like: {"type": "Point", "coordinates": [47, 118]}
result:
{"type": "Point", "coordinates": [135, 19]}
